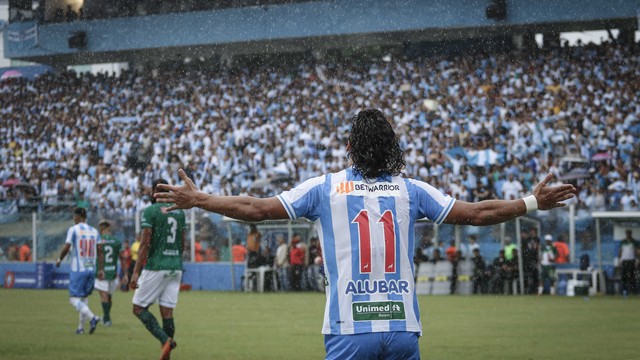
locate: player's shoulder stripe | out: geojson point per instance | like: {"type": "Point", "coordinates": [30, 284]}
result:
{"type": "Point", "coordinates": [444, 212]}
{"type": "Point", "coordinates": [287, 207]}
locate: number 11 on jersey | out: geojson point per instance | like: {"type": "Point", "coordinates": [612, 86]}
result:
{"type": "Point", "coordinates": [389, 235]}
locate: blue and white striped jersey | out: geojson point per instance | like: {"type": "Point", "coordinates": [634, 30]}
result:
{"type": "Point", "coordinates": [366, 231]}
{"type": "Point", "coordinates": [83, 239]}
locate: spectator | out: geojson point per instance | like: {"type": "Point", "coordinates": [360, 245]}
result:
{"type": "Point", "coordinates": [199, 251]}
{"type": "Point", "coordinates": [254, 256]}
{"type": "Point", "coordinates": [509, 248]}
{"type": "Point", "coordinates": [548, 255]}
{"type": "Point", "coordinates": [498, 274]}
{"type": "Point", "coordinates": [238, 252]}
{"type": "Point", "coordinates": [422, 251]}
{"type": "Point", "coordinates": [426, 248]}
{"type": "Point", "coordinates": [296, 260]}
{"type": "Point", "coordinates": [451, 251]}
{"type": "Point", "coordinates": [316, 280]}
{"type": "Point", "coordinates": [441, 249]}
{"type": "Point", "coordinates": [479, 273]}
{"type": "Point", "coordinates": [455, 262]}
{"type": "Point", "coordinates": [211, 253]}
{"type": "Point", "coordinates": [512, 188]}
{"type": "Point", "coordinates": [530, 250]}
{"type": "Point", "coordinates": [25, 252]}
{"type": "Point", "coordinates": [435, 258]}
{"type": "Point", "coordinates": [628, 202]}
{"type": "Point", "coordinates": [282, 262]}
{"type": "Point", "coordinates": [473, 244]}
{"type": "Point", "coordinates": [562, 250]}
{"type": "Point", "coordinates": [512, 272]}
{"type": "Point", "coordinates": [627, 256]}
{"type": "Point", "coordinates": [12, 252]}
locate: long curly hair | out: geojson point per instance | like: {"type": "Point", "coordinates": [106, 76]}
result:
{"type": "Point", "coordinates": [373, 146]}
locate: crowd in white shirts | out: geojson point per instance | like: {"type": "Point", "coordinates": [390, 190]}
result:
{"type": "Point", "coordinates": [103, 139]}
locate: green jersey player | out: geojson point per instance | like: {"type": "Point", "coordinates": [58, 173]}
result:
{"type": "Point", "coordinates": [109, 250]}
{"type": "Point", "coordinates": [160, 252]}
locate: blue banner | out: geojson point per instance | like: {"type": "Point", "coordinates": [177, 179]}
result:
{"type": "Point", "coordinates": [22, 36]}
{"type": "Point", "coordinates": [8, 211]}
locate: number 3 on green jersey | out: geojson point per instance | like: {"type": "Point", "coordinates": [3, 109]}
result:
{"type": "Point", "coordinates": [167, 229]}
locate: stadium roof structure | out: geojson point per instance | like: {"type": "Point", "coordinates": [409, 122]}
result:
{"type": "Point", "coordinates": [302, 27]}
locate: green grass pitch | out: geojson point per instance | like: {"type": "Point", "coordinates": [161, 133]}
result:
{"type": "Point", "coordinates": [220, 325]}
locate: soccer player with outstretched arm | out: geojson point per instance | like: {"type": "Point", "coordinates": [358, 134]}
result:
{"type": "Point", "coordinates": [161, 247]}
{"type": "Point", "coordinates": [365, 216]}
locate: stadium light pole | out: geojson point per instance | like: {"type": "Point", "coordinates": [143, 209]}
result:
{"type": "Point", "coordinates": [192, 237]}
{"type": "Point", "coordinates": [230, 244]}
{"type": "Point", "coordinates": [572, 233]}
{"type": "Point", "coordinates": [519, 249]}
{"type": "Point", "coordinates": [599, 249]}
{"type": "Point", "coordinates": [34, 236]}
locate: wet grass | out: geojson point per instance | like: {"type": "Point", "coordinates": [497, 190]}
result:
{"type": "Point", "coordinates": [217, 325]}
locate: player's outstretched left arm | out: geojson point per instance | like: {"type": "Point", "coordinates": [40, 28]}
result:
{"type": "Point", "coordinates": [490, 212]}
{"type": "Point", "coordinates": [245, 208]}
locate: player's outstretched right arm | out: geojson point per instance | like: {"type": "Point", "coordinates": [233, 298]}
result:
{"type": "Point", "coordinates": [245, 208]}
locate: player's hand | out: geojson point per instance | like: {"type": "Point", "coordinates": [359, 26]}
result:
{"type": "Point", "coordinates": [552, 197]}
{"type": "Point", "coordinates": [58, 263]}
{"type": "Point", "coordinates": [182, 197]}
{"type": "Point", "coordinates": [133, 284]}
{"type": "Point", "coordinates": [100, 274]}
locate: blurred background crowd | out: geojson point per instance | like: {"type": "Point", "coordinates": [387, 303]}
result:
{"type": "Point", "coordinates": [476, 127]}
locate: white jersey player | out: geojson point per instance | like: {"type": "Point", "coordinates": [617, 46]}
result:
{"type": "Point", "coordinates": [364, 216]}
{"type": "Point", "coordinates": [81, 241]}
{"type": "Point", "coordinates": [367, 239]}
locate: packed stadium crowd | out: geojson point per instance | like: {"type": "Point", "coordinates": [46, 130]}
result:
{"type": "Point", "coordinates": [481, 127]}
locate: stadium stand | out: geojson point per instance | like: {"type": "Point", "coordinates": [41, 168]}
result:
{"type": "Point", "coordinates": [102, 139]}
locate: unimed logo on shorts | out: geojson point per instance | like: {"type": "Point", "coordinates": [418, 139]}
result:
{"type": "Point", "coordinates": [381, 310]}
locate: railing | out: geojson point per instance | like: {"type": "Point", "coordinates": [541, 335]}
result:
{"type": "Point", "coordinates": [45, 232]}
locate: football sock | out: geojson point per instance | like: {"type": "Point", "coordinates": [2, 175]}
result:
{"type": "Point", "coordinates": [82, 307]}
{"type": "Point", "coordinates": [83, 318]}
{"type": "Point", "coordinates": [152, 325]}
{"type": "Point", "coordinates": [82, 321]}
{"type": "Point", "coordinates": [106, 309]}
{"type": "Point", "coordinates": [169, 327]}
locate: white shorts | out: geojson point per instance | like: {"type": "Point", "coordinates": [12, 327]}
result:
{"type": "Point", "coordinates": [108, 286]}
{"type": "Point", "coordinates": [160, 286]}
